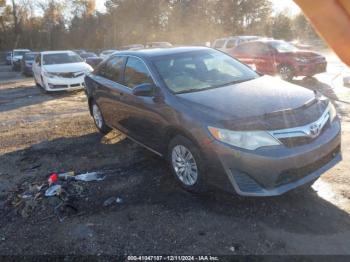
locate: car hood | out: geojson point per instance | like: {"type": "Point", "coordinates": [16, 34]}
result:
{"type": "Point", "coordinates": [263, 103]}
{"type": "Point", "coordinates": [71, 67]}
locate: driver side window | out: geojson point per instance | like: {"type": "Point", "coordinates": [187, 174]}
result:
{"type": "Point", "coordinates": [136, 73]}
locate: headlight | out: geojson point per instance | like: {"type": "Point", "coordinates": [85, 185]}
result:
{"type": "Point", "coordinates": [250, 140]}
{"type": "Point", "coordinates": [301, 60]}
{"type": "Point", "coordinates": [332, 111]}
{"type": "Point", "coordinates": [48, 74]}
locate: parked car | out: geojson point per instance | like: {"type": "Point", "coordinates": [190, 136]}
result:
{"type": "Point", "coordinates": [279, 57]}
{"type": "Point", "coordinates": [17, 55]}
{"type": "Point", "coordinates": [87, 55]}
{"type": "Point", "coordinates": [158, 45]}
{"type": "Point", "coordinates": [8, 58]}
{"type": "Point", "coordinates": [215, 120]}
{"type": "Point", "coordinates": [107, 53]}
{"type": "Point", "coordinates": [228, 44]}
{"type": "Point", "coordinates": [301, 46]}
{"type": "Point", "coordinates": [92, 59]}
{"type": "Point", "coordinates": [60, 70]}
{"type": "Point", "coordinates": [27, 63]}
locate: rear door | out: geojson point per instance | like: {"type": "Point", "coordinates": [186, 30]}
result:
{"type": "Point", "coordinates": [243, 53]}
{"type": "Point", "coordinates": [263, 58]}
{"type": "Point", "coordinates": [108, 89]}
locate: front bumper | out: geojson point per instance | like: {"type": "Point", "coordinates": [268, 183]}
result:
{"type": "Point", "coordinates": [276, 170]}
{"type": "Point", "coordinates": [61, 84]}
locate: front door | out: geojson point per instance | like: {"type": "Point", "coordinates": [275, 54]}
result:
{"type": "Point", "coordinates": [142, 119]}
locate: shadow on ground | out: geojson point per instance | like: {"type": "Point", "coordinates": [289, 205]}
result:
{"type": "Point", "coordinates": [26, 95]}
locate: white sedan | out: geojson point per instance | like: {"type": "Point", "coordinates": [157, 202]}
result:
{"type": "Point", "coordinates": [60, 70]}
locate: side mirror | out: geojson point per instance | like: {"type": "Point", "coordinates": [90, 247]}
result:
{"type": "Point", "coordinates": [145, 89]}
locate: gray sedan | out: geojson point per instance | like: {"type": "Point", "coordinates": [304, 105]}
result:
{"type": "Point", "coordinates": [215, 120]}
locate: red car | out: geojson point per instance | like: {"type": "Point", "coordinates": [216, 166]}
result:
{"type": "Point", "coordinates": [274, 57]}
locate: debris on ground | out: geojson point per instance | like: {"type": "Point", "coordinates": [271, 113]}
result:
{"type": "Point", "coordinates": [112, 200]}
{"type": "Point", "coordinates": [93, 176]}
{"type": "Point", "coordinates": [54, 190]}
{"type": "Point", "coordinates": [60, 195]}
{"type": "Point", "coordinates": [53, 178]}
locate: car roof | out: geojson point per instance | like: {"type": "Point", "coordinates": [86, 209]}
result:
{"type": "Point", "coordinates": [265, 40]}
{"type": "Point", "coordinates": [56, 52]}
{"type": "Point", "coordinates": [155, 52]}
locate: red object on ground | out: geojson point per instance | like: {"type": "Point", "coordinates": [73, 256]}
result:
{"type": "Point", "coordinates": [53, 178]}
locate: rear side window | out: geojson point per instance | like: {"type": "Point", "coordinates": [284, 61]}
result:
{"type": "Point", "coordinates": [219, 43]}
{"type": "Point", "coordinates": [231, 43]}
{"type": "Point", "coordinates": [136, 73]}
{"type": "Point", "coordinates": [112, 68]}
{"type": "Point", "coordinates": [253, 48]}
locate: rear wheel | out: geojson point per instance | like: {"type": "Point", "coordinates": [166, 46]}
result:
{"type": "Point", "coordinates": [98, 119]}
{"type": "Point", "coordinates": [186, 164]}
{"type": "Point", "coordinates": [286, 72]}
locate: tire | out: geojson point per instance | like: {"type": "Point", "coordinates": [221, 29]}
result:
{"type": "Point", "coordinates": [177, 150]}
{"type": "Point", "coordinates": [98, 119]}
{"type": "Point", "coordinates": [286, 72]}
{"type": "Point", "coordinates": [42, 87]}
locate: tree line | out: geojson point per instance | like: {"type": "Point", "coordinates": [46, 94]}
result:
{"type": "Point", "coordinates": [73, 24]}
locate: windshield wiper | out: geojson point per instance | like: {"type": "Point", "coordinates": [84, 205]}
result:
{"type": "Point", "coordinates": [234, 82]}
{"type": "Point", "coordinates": [193, 90]}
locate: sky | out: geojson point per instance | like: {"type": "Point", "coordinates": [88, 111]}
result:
{"type": "Point", "coordinates": [282, 5]}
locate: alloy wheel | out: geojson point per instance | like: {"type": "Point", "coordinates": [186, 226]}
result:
{"type": "Point", "coordinates": [184, 165]}
{"type": "Point", "coordinates": [97, 116]}
{"type": "Point", "coordinates": [286, 73]}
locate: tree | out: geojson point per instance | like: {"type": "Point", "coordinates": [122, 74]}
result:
{"type": "Point", "coordinates": [282, 27]}
{"type": "Point", "coordinates": [303, 28]}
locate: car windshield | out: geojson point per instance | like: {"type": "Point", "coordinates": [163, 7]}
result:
{"type": "Point", "coordinates": [282, 46]}
{"type": "Point", "coordinates": [19, 53]}
{"type": "Point", "coordinates": [30, 56]}
{"type": "Point", "coordinates": [201, 70]}
{"type": "Point", "coordinates": [61, 58]}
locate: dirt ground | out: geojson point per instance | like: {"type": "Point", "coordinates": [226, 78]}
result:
{"type": "Point", "coordinates": [43, 133]}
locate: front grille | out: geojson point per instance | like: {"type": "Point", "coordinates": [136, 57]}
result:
{"type": "Point", "coordinates": [58, 86]}
{"type": "Point", "coordinates": [301, 140]}
{"type": "Point", "coordinates": [295, 174]}
{"type": "Point", "coordinates": [71, 75]}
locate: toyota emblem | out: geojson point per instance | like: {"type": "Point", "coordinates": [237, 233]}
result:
{"type": "Point", "coordinates": [314, 130]}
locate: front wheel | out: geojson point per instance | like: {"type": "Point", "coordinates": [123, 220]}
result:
{"type": "Point", "coordinates": [286, 72]}
{"type": "Point", "coordinates": [186, 164]}
{"type": "Point", "coordinates": [98, 119]}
